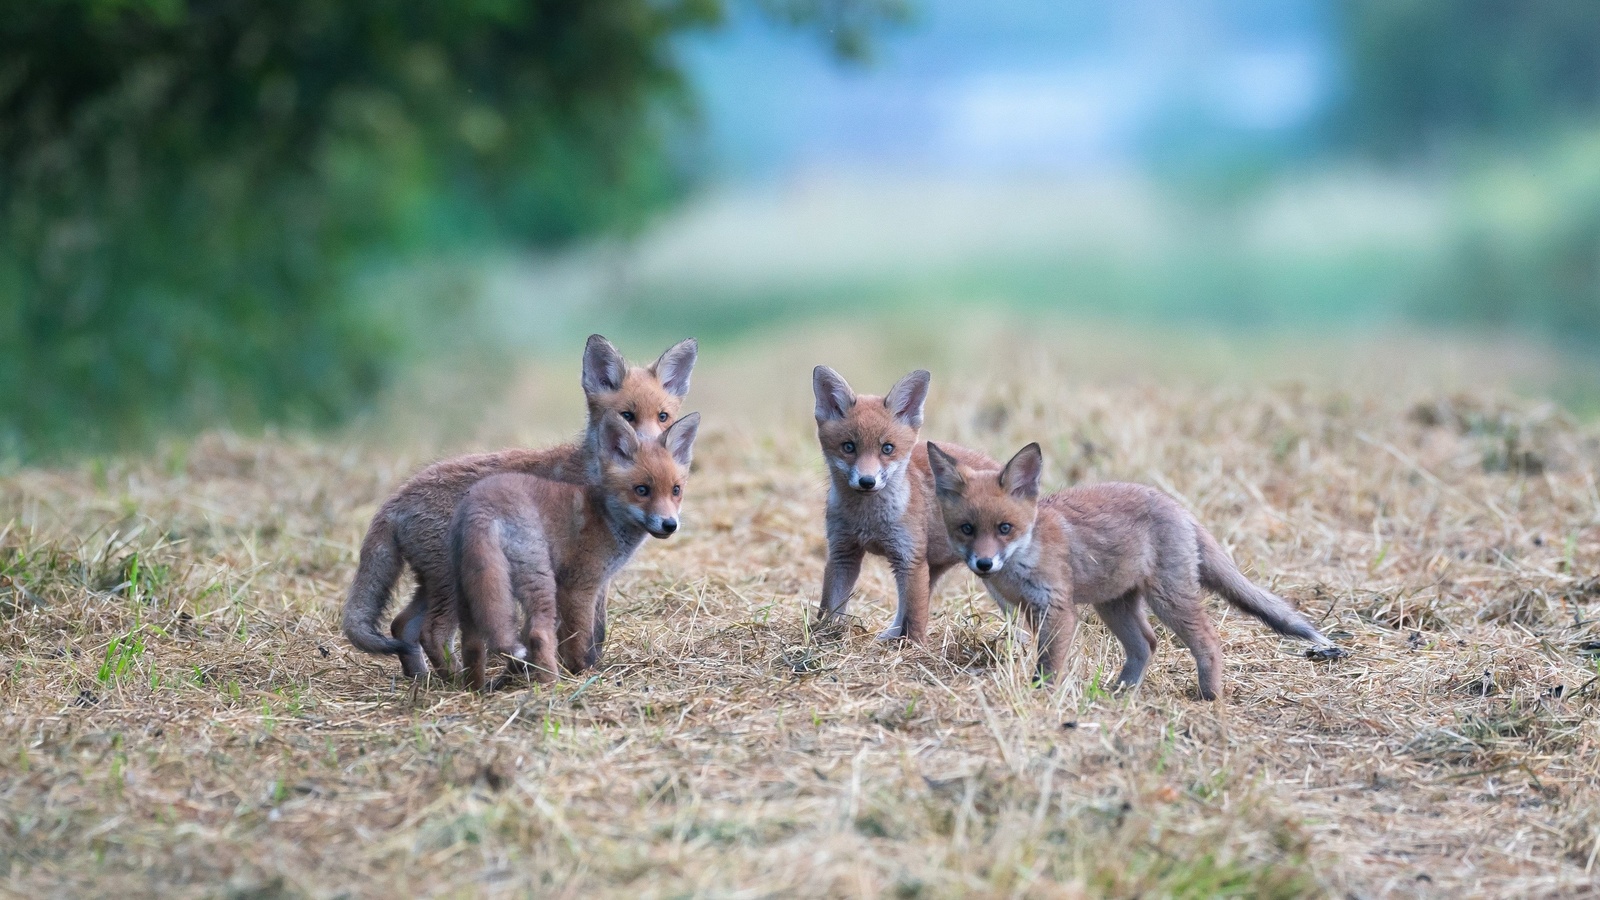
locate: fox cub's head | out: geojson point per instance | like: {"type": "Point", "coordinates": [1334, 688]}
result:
{"type": "Point", "coordinates": [646, 397]}
{"type": "Point", "coordinates": [988, 514]}
{"type": "Point", "coordinates": [867, 440]}
{"type": "Point", "coordinates": [643, 478]}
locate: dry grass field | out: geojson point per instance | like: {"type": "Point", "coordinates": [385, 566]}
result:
{"type": "Point", "coordinates": [180, 716]}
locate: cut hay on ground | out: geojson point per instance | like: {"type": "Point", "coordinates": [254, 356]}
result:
{"type": "Point", "coordinates": [179, 715]}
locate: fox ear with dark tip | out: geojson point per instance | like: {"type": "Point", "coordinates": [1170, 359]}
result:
{"type": "Point", "coordinates": [679, 439]}
{"type": "Point", "coordinates": [946, 471]}
{"type": "Point", "coordinates": [618, 442]}
{"type": "Point", "coordinates": [1020, 477]}
{"type": "Point", "coordinates": [834, 397]}
{"type": "Point", "coordinates": [674, 366]}
{"type": "Point", "coordinates": [603, 367]}
{"type": "Point", "coordinates": [905, 399]}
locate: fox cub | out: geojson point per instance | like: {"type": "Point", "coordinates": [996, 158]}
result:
{"type": "Point", "coordinates": [1114, 546]}
{"type": "Point", "coordinates": [533, 556]}
{"type": "Point", "coordinates": [881, 498]}
{"type": "Point", "coordinates": [412, 526]}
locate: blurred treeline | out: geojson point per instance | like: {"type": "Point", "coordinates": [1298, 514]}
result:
{"type": "Point", "coordinates": [189, 187]}
{"type": "Point", "coordinates": [1501, 100]}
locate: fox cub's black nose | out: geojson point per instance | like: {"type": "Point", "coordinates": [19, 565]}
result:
{"type": "Point", "coordinates": [669, 525]}
{"type": "Point", "coordinates": [983, 565]}
{"type": "Point", "coordinates": [867, 481]}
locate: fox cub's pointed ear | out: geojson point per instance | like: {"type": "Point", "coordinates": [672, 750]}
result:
{"type": "Point", "coordinates": [905, 399]}
{"type": "Point", "coordinates": [674, 366]}
{"type": "Point", "coordinates": [679, 439]}
{"type": "Point", "coordinates": [603, 367]}
{"type": "Point", "coordinates": [834, 397]}
{"type": "Point", "coordinates": [1020, 477]}
{"type": "Point", "coordinates": [618, 442]}
{"type": "Point", "coordinates": [946, 471]}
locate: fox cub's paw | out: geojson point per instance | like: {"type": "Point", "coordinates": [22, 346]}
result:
{"type": "Point", "coordinates": [892, 633]}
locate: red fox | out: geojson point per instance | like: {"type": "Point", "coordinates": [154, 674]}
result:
{"type": "Point", "coordinates": [881, 497]}
{"type": "Point", "coordinates": [1114, 546]}
{"type": "Point", "coordinates": [412, 526]}
{"type": "Point", "coordinates": [532, 556]}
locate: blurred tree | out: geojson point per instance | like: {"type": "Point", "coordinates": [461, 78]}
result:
{"type": "Point", "coordinates": [1509, 92]}
{"type": "Point", "coordinates": [1425, 75]}
{"type": "Point", "coordinates": [186, 185]}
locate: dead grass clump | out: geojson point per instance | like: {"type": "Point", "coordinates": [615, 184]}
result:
{"type": "Point", "coordinates": [976, 643]}
{"type": "Point", "coordinates": [1405, 611]}
{"type": "Point", "coordinates": [1483, 734]}
{"type": "Point", "coordinates": [1520, 605]}
{"type": "Point", "coordinates": [1511, 439]}
{"type": "Point", "coordinates": [1580, 830]}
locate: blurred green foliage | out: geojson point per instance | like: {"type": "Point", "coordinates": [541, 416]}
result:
{"type": "Point", "coordinates": [187, 187]}
{"type": "Point", "coordinates": [1524, 249]}
{"type": "Point", "coordinates": [1504, 96]}
{"type": "Point", "coordinates": [1429, 76]}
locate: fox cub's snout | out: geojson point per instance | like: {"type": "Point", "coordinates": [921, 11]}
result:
{"type": "Point", "coordinates": [868, 442]}
{"type": "Point", "coordinates": [989, 518]}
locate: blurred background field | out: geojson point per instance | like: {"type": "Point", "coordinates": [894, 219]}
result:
{"type": "Point", "coordinates": [286, 213]}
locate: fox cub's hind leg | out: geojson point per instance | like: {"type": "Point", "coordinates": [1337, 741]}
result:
{"type": "Point", "coordinates": [1179, 608]}
{"type": "Point", "coordinates": [533, 582]}
{"type": "Point", "coordinates": [407, 626]}
{"type": "Point", "coordinates": [1125, 617]}
{"type": "Point", "coordinates": [490, 614]}
{"type": "Point", "coordinates": [439, 628]}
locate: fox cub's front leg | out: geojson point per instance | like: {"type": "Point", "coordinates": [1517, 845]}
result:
{"type": "Point", "coordinates": [578, 604]}
{"type": "Point", "coordinates": [839, 577]}
{"type": "Point", "coordinates": [1054, 624]}
{"type": "Point", "coordinates": [911, 609]}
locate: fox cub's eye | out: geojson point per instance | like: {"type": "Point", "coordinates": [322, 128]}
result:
{"type": "Point", "coordinates": [661, 416]}
{"type": "Point", "coordinates": [966, 528]}
{"type": "Point", "coordinates": [627, 417]}
{"type": "Point", "coordinates": [888, 449]}
{"type": "Point", "coordinates": [849, 447]}
{"type": "Point", "coordinates": [642, 490]}
{"type": "Point", "coordinates": [677, 489]}
{"type": "Point", "coordinates": [1005, 527]}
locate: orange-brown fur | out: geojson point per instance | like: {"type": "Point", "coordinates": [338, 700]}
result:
{"type": "Point", "coordinates": [881, 502]}
{"type": "Point", "coordinates": [532, 556]}
{"type": "Point", "coordinates": [411, 528]}
{"type": "Point", "coordinates": [1118, 547]}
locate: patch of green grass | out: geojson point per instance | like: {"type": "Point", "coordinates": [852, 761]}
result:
{"type": "Point", "coordinates": [121, 656]}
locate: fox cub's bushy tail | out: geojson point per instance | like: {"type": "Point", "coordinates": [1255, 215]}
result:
{"type": "Point", "coordinates": [1221, 576]}
{"type": "Point", "coordinates": [376, 576]}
